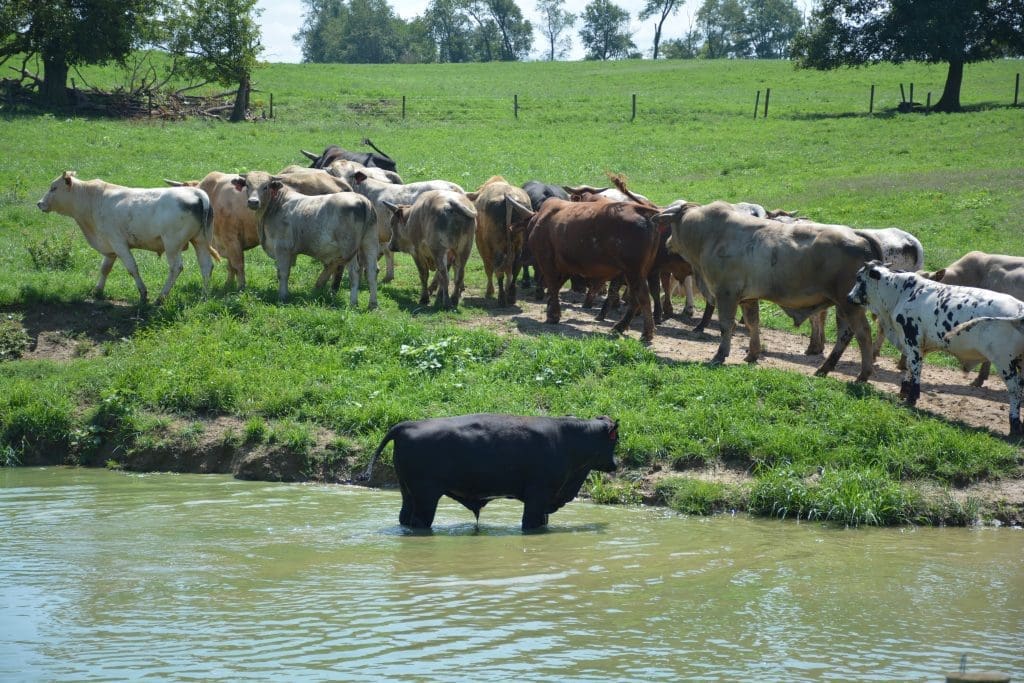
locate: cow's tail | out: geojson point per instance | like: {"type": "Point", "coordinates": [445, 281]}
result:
{"type": "Point", "coordinates": [390, 436]}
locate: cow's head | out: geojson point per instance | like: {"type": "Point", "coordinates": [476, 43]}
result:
{"type": "Point", "coordinates": [861, 281]}
{"type": "Point", "coordinates": [256, 186]}
{"type": "Point", "coordinates": [60, 190]}
{"type": "Point", "coordinates": [669, 217]}
{"type": "Point", "coordinates": [606, 461]}
{"type": "Point", "coordinates": [399, 217]}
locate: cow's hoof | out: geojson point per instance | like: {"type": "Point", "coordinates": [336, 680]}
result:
{"type": "Point", "coordinates": [372, 306]}
{"type": "Point", "coordinates": [813, 351]}
{"type": "Point", "coordinates": [687, 312]}
{"type": "Point", "coordinates": [1015, 428]}
{"type": "Point", "coordinates": [387, 279]}
{"type": "Point", "coordinates": [862, 377]}
{"type": "Point", "coordinates": [716, 361]}
{"type": "Point", "coordinates": [978, 382]}
{"type": "Point", "coordinates": [822, 372]}
{"type": "Point", "coordinates": [750, 358]}
{"type": "Point", "coordinates": [647, 341]}
{"type": "Point", "coordinates": [551, 321]}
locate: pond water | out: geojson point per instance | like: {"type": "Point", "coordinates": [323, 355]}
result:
{"type": "Point", "coordinates": [107, 575]}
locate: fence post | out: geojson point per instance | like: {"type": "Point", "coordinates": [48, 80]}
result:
{"type": "Point", "coordinates": [903, 94]}
{"type": "Point", "coordinates": [767, 94]}
{"type": "Point", "coordinates": [403, 106]}
{"type": "Point", "coordinates": [757, 103]}
{"type": "Point", "coordinates": [633, 118]}
{"type": "Point", "coordinates": [911, 97]}
{"type": "Point", "coordinates": [871, 102]}
{"type": "Point", "coordinates": [1016, 89]}
{"type": "Point", "coordinates": [515, 105]}
{"type": "Point", "coordinates": [928, 104]}
{"type": "Point", "coordinates": [271, 105]}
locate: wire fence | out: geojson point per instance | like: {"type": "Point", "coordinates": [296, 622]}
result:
{"type": "Point", "coordinates": [767, 102]}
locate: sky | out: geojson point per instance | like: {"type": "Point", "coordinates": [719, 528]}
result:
{"type": "Point", "coordinates": [281, 20]}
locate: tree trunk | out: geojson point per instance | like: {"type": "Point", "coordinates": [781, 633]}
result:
{"type": "Point", "coordinates": [657, 39]}
{"type": "Point", "coordinates": [950, 100]}
{"type": "Point", "coordinates": [53, 92]}
{"type": "Point", "coordinates": [241, 100]}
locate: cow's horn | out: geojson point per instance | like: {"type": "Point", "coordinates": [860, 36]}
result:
{"type": "Point", "coordinates": [173, 183]}
{"type": "Point", "coordinates": [309, 155]}
{"type": "Point", "coordinates": [514, 209]}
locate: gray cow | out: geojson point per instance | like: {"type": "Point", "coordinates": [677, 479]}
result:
{"type": "Point", "coordinates": [333, 229]}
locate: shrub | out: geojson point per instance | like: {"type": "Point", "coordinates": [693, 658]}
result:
{"type": "Point", "coordinates": [51, 253]}
{"type": "Point", "coordinates": [14, 340]}
{"type": "Point", "coordinates": [699, 497]}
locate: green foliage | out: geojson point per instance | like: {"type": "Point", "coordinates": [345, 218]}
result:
{"type": "Point", "coordinates": [256, 430]}
{"type": "Point", "coordinates": [608, 490]}
{"type": "Point", "coordinates": [14, 340]}
{"type": "Point", "coordinates": [851, 496]}
{"type": "Point", "coordinates": [700, 497]}
{"type": "Point", "coordinates": [295, 436]}
{"type": "Point", "coordinates": [51, 253]}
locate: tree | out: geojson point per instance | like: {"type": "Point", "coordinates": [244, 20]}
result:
{"type": "Point", "coordinates": [771, 26]}
{"type": "Point", "coordinates": [663, 8]}
{"type": "Point", "coordinates": [222, 41]}
{"type": "Point", "coordinates": [450, 28]}
{"type": "Point", "coordinates": [605, 31]}
{"type": "Point", "coordinates": [955, 32]}
{"type": "Point", "coordinates": [555, 24]}
{"type": "Point", "coordinates": [723, 23]}
{"type": "Point", "coordinates": [68, 34]}
{"type": "Point", "coordinates": [501, 30]}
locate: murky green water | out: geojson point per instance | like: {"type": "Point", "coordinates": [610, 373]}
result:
{"type": "Point", "coordinates": [116, 576]}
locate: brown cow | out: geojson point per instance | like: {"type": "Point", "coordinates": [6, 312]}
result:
{"type": "Point", "coordinates": [996, 272]}
{"type": "Point", "coordinates": [596, 240]}
{"type": "Point", "coordinates": [804, 267]}
{"type": "Point", "coordinates": [234, 225]}
{"type": "Point", "coordinates": [500, 234]}
{"type": "Point", "coordinates": [438, 231]}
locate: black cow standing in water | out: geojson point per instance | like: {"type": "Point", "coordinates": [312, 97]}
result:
{"type": "Point", "coordinates": [542, 461]}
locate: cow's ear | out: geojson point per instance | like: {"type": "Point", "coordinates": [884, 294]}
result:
{"type": "Point", "coordinates": [613, 431]}
{"type": "Point", "coordinates": [472, 196]}
{"type": "Point", "coordinates": [359, 176]}
{"type": "Point", "coordinates": [938, 275]}
{"type": "Point", "coordinates": [238, 182]}
{"type": "Point", "coordinates": [275, 184]}
{"type": "Point", "coordinates": [68, 175]}
{"type": "Point", "coordinates": [874, 274]}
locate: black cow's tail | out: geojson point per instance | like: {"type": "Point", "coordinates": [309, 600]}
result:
{"type": "Point", "coordinates": [390, 436]}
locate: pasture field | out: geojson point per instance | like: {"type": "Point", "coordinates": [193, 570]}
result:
{"type": "Point", "coordinates": [318, 383]}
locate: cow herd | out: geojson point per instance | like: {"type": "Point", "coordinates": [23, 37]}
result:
{"type": "Point", "coordinates": [348, 209]}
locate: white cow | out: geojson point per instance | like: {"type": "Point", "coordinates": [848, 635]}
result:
{"type": "Point", "coordinates": [380, 192]}
{"type": "Point", "coordinates": [117, 219]}
{"type": "Point", "coordinates": [921, 316]}
{"type": "Point", "coordinates": [333, 228]}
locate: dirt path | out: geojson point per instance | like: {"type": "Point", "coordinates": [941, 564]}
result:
{"type": "Point", "coordinates": [945, 392]}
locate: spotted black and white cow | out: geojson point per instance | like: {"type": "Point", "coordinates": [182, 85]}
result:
{"type": "Point", "coordinates": [922, 315]}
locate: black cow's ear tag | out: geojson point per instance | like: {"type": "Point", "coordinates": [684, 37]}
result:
{"type": "Point", "coordinates": [613, 433]}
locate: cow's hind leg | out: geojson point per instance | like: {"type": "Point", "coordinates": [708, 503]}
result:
{"type": "Point", "coordinates": [1015, 386]}
{"type": "Point", "coordinates": [640, 296]}
{"type": "Point", "coordinates": [727, 305]}
{"type": "Point", "coordinates": [174, 268]}
{"type": "Point", "coordinates": [419, 506]}
{"type": "Point", "coordinates": [817, 344]}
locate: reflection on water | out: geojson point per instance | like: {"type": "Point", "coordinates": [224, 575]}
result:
{"type": "Point", "coordinates": [112, 576]}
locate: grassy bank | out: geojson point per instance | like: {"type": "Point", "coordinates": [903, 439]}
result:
{"type": "Point", "coordinates": [288, 375]}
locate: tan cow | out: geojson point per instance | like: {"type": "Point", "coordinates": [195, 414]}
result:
{"type": "Point", "coordinates": [234, 225]}
{"type": "Point", "coordinates": [347, 169]}
{"type": "Point", "coordinates": [438, 231]}
{"type": "Point", "coordinates": [501, 234]}
{"type": "Point", "coordinates": [803, 267]}
{"type": "Point", "coordinates": [996, 272]}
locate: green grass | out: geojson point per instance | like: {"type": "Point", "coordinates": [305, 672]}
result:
{"type": "Point", "coordinates": [819, 449]}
